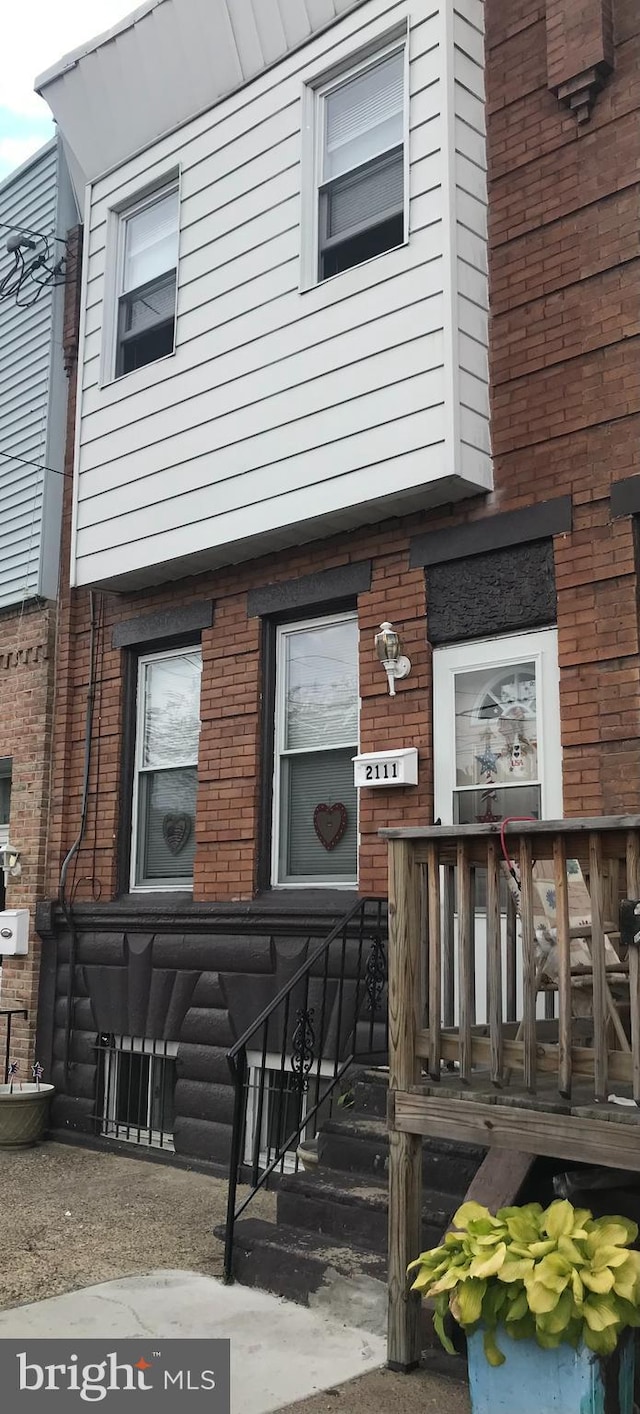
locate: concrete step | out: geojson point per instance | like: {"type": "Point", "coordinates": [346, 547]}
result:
{"type": "Point", "coordinates": [354, 1144]}
{"type": "Point", "coordinates": [352, 1208]}
{"type": "Point", "coordinates": [368, 1090]}
{"type": "Point", "coordinates": [348, 1282]}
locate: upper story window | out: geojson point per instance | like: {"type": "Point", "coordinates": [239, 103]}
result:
{"type": "Point", "coordinates": [147, 281]}
{"type": "Point", "coordinates": [361, 163]}
{"type": "Point", "coordinates": [316, 737]}
{"type": "Point", "coordinates": [166, 769]}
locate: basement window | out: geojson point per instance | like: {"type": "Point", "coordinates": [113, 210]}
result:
{"type": "Point", "coordinates": [138, 1078]}
{"type": "Point", "coordinates": [360, 147]}
{"type": "Point", "coordinates": [277, 1108]}
{"type": "Point", "coordinates": [147, 281]}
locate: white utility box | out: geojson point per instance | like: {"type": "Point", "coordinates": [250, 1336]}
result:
{"type": "Point", "coordinates": [14, 931]}
{"type": "Point", "coordinates": [387, 768]}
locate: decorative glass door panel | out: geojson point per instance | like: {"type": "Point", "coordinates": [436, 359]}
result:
{"type": "Point", "coordinates": [497, 750]}
{"type": "Point", "coordinates": [496, 744]}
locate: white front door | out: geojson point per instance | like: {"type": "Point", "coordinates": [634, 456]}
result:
{"type": "Point", "coordinates": [496, 741]}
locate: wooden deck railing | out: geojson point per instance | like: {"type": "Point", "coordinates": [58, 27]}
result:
{"type": "Point", "coordinates": [511, 1020]}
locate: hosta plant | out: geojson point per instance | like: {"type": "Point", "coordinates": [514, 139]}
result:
{"type": "Point", "coordinates": [555, 1275]}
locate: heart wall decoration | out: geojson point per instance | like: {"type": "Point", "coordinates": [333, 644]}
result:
{"type": "Point", "coordinates": [330, 823]}
{"type": "Point", "coordinates": [176, 830]}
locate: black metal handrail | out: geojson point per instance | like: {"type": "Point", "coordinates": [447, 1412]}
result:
{"type": "Point", "coordinates": [10, 1012]}
{"type": "Point", "coordinates": [330, 1013]}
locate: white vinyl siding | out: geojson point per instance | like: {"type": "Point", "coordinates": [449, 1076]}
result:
{"type": "Point", "coordinates": [472, 301]}
{"type": "Point", "coordinates": [285, 413]}
{"type": "Point", "coordinates": [33, 389]}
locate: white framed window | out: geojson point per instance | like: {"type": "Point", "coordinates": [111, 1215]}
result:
{"type": "Point", "coordinates": [496, 726]}
{"type": "Point", "coordinates": [166, 769]}
{"type": "Point", "coordinates": [147, 262]}
{"type": "Point", "coordinates": [283, 1109]}
{"type": "Point", "coordinates": [5, 812]}
{"type": "Point", "coordinates": [139, 1077]}
{"type": "Point", "coordinates": [359, 124]}
{"type": "Point", "coordinates": [315, 815]}
{"type": "Point", "coordinates": [5, 798]}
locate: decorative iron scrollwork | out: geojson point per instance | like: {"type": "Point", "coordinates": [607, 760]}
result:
{"type": "Point", "coordinates": [375, 976]}
{"type": "Point", "coordinates": [303, 1043]}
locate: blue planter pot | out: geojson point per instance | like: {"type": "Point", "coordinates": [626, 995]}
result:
{"type": "Point", "coordinates": [562, 1381]}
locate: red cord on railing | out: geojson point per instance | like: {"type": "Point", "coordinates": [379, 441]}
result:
{"type": "Point", "coordinates": [511, 820]}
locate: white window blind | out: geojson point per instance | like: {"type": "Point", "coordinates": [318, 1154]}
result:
{"type": "Point", "coordinates": [151, 242]}
{"type": "Point", "coordinates": [362, 198]}
{"type": "Point", "coordinates": [166, 779]}
{"type": "Point", "coordinates": [316, 739]}
{"type": "Point", "coordinates": [364, 117]}
{"type": "Point", "coordinates": [321, 687]}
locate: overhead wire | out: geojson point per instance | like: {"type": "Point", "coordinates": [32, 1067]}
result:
{"type": "Point", "coordinates": [39, 466]}
{"type": "Point", "coordinates": [7, 226]}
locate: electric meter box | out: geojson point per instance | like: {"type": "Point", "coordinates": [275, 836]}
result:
{"type": "Point", "coordinates": [14, 932]}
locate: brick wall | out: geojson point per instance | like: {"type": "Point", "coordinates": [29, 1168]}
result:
{"type": "Point", "coordinates": [565, 366]}
{"type": "Point", "coordinates": [26, 679]}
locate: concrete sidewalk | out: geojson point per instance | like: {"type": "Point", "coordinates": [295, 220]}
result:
{"type": "Point", "coordinates": [382, 1392]}
{"type": "Point", "coordinates": [280, 1353]}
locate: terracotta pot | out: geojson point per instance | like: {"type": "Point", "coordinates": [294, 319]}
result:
{"type": "Point", "coordinates": [23, 1114]}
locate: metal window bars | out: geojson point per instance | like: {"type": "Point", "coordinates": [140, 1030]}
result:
{"type": "Point", "coordinates": [135, 1094]}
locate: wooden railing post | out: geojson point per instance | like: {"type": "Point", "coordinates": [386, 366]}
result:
{"type": "Point", "coordinates": [512, 948]}
{"type": "Point", "coordinates": [448, 945]}
{"type": "Point", "coordinates": [435, 959]}
{"type": "Point", "coordinates": [633, 891]}
{"type": "Point", "coordinates": [528, 964]}
{"type": "Point", "coordinates": [494, 963]}
{"type": "Point", "coordinates": [564, 967]}
{"type": "Point", "coordinates": [466, 960]}
{"type": "Point", "coordinates": [600, 1015]}
{"type": "Point", "coordinates": [405, 1150]}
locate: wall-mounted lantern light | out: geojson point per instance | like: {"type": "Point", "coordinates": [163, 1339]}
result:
{"type": "Point", "coordinates": [10, 862]}
{"type": "Point", "coordinates": [388, 649]}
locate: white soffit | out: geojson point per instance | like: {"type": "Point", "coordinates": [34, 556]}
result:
{"type": "Point", "coordinates": [167, 61]}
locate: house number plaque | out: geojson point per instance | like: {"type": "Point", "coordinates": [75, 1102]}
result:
{"type": "Point", "coordinates": [386, 768]}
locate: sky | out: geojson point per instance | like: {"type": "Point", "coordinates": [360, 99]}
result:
{"type": "Point", "coordinates": [35, 35]}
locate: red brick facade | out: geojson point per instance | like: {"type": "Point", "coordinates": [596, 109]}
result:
{"type": "Point", "coordinates": [26, 680]}
{"type": "Point", "coordinates": [565, 365]}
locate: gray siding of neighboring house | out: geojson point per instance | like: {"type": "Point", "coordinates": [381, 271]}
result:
{"type": "Point", "coordinates": [32, 389]}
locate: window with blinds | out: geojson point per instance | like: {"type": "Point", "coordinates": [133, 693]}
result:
{"type": "Point", "coordinates": [166, 769]}
{"type": "Point", "coordinates": [316, 738]}
{"type": "Point", "coordinates": [362, 161]}
{"type": "Point", "coordinates": [147, 300]}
